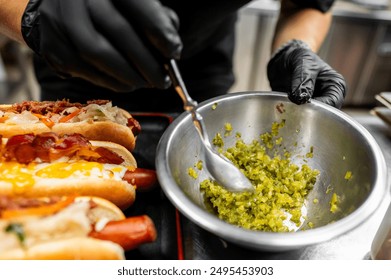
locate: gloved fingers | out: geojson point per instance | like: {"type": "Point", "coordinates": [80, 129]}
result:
{"type": "Point", "coordinates": [123, 37]}
{"type": "Point", "coordinates": [78, 68]}
{"type": "Point", "coordinates": [302, 93]}
{"type": "Point", "coordinates": [157, 22]}
{"type": "Point", "coordinates": [301, 73]}
{"type": "Point", "coordinates": [304, 73]}
{"type": "Point", "coordinates": [330, 88]}
{"type": "Point", "coordinates": [101, 79]}
{"type": "Point", "coordinates": [275, 69]}
{"type": "Point", "coordinates": [173, 17]}
{"type": "Point", "coordinates": [93, 48]}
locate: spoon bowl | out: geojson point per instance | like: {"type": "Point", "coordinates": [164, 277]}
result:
{"type": "Point", "coordinates": [220, 168]}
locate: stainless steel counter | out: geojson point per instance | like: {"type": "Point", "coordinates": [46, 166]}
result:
{"type": "Point", "coordinates": [356, 245]}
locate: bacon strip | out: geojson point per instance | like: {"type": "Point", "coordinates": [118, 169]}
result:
{"type": "Point", "coordinates": [49, 146]}
{"type": "Point", "coordinates": [55, 107]}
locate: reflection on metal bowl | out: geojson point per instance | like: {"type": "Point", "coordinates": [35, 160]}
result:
{"type": "Point", "coordinates": [340, 146]}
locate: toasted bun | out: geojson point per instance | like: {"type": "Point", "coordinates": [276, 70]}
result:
{"type": "Point", "coordinates": [105, 208]}
{"type": "Point", "coordinates": [80, 248]}
{"type": "Point", "coordinates": [100, 131]}
{"type": "Point", "coordinates": [67, 231]}
{"type": "Point", "coordinates": [121, 193]}
{"type": "Point", "coordinates": [5, 107]}
{"type": "Point", "coordinates": [93, 130]}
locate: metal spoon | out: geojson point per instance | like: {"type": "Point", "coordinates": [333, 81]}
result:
{"type": "Point", "coordinates": [220, 168]}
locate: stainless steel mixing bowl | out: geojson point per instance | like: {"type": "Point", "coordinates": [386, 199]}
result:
{"type": "Point", "coordinates": [340, 144]}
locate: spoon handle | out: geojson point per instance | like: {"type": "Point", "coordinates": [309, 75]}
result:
{"type": "Point", "coordinates": [188, 103]}
{"type": "Point", "coordinates": [179, 85]}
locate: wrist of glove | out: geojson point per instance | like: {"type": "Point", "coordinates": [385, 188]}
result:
{"type": "Point", "coordinates": [120, 45]}
{"type": "Point", "coordinates": [297, 70]}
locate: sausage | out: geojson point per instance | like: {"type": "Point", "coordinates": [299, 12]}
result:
{"type": "Point", "coordinates": [128, 233]}
{"type": "Point", "coordinates": [143, 179]}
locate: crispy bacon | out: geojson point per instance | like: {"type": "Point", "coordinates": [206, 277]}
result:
{"type": "Point", "coordinates": [54, 107]}
{"type": "Point", "coordinates": [24, 153]}
{"type": "Point", "coordinates": [70, 140]}
{"type": "Point", "coordinates": [50, 146]}
{"type": "Point", "coordinates": [43, 144]}
{"type": "Point", "coordinates": [20, 139]}
{"type": "Point", "coordinates": [15, 143]}
{"type": "Point", "coordinates": [108, 156]}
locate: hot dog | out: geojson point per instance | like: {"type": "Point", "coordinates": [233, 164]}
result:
{"type": "Point", "coordinates": [96, 120]}
{"type": "Point", "coordinates": [69, 228]}
{"type": "Point", "coordinates": [47, 164]}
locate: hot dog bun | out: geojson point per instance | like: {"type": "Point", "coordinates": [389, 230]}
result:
{"type": "Point", "coordinates": [98, 120]}
{"type": "Point", "coordinates": [120, 193]}
{"type": "Point", "coordinates": [70, 229]}
{"type": "Point", "coordinates": [71, 173]}
{"type": "Point", "coordinates": [78, 248]}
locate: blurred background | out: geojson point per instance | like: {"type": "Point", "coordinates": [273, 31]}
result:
{"type": "Point", "coordinates": [358, 46]}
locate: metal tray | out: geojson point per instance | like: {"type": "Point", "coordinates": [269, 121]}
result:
{"type": "Point", "coordinates": [154, 203]}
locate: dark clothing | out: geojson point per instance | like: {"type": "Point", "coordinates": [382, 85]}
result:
{"type": "Point", "coordinates": [207, 32]}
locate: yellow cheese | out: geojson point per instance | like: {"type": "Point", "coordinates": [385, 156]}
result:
{"type": "Point", "coordinates": [23, 176]}
{"type": "Point", "coordinates": [19, 175]}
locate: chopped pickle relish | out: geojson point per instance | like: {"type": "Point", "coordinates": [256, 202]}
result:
{"type": "Point", "coordinates": [281, 186]}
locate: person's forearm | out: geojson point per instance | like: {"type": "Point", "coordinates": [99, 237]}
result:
{"type": "Point", "coordinates": [11, 12]}
{"type": "Point", "coordinates": [308, 25]}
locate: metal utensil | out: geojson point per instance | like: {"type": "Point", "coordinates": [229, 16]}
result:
{"type": "Point", "coordinates": [219, 167]}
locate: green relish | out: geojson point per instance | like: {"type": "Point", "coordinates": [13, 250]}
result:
{"type": "Point", "coordinates": [281, 186]}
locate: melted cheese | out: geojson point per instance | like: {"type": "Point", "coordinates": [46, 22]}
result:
{"type": "Point", "coordinates": [19, 175]}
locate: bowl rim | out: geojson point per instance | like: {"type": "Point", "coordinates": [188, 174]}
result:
{"type": "Point", "coordinates": [269, 240]}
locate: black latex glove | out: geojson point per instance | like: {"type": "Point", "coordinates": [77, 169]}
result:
{"type": "Point", "coordinates": [301, 73]}
{"type": "Point", "coordinates": [118, 44]}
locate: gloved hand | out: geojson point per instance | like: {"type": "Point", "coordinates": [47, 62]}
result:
{"type": "Point", "coordinates": [119, 44]}
{"type": "Point", "coordinates": [301, 73]}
